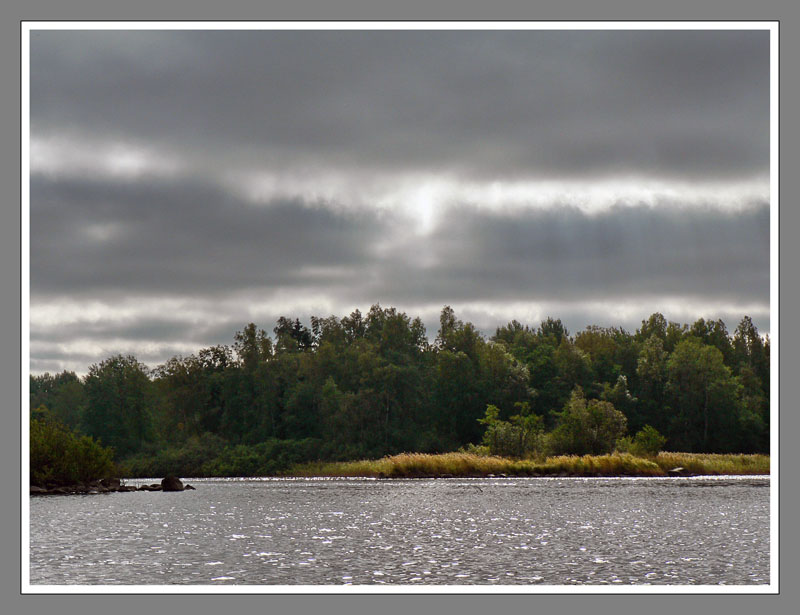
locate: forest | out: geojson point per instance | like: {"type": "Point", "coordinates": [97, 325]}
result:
{"type": "Point", "coordinates": [369, 385]}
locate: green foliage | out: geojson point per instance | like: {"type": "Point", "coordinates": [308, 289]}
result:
{"type": "Point", "coordinates": [704, 397]}
{"type": "Point", "coordinates": [646, 443]}
{"type": "Point", "coordinates": [118, 404]}
{"type": "Point", "coordinates": [262, 459]}
{"type": "Point", "coordinates": [60, 457]}
{"type": "Point", "coordinates": [185, 460]}
{"type": "Point", "coordinates": [587, 427]}
{"type": "Point", "coordinates": [371, 385]}
{"type": "Point", "coordinates": [63, 394]}
{"type": "Point", "coordinates": [520, 436]}
{"type": "Point", "coordinates": [252, 346]}
{"type": "Point", "coordinates": [210, 456]}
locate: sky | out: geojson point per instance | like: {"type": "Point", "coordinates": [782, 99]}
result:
{"type": "Point", "coordinates": [186, 183]}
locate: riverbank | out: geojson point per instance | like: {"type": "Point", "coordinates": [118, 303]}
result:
{"type": "Point", "coordinates": [417, 465]}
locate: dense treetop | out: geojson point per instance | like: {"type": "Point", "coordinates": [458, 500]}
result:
{"type": "Point", "coordinates": [366, 385]}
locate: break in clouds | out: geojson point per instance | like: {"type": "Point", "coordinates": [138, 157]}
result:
{"type": "Point", "coordinates": [184, 184]}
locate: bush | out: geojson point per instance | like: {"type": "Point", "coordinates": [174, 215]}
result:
{"type": "Point", "coordinates": [522, 436]}
{"type": "Point", "coordinates": [185, 460]}
{"type": "Point", "coordinates": [208, 455]}
{"type": "Point", "coordinates": [62, 457]}
{"type": "Point", "coordinates": [647, 442]}
{"type": "Point", "coordinates": [587, 427]}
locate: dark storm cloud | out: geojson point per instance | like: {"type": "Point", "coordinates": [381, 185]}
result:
{"type": "Point", "coordinates": [564, 254]}
{"type": "Point", "coordinates": [165, 328]}
{"type": "Point", "coordinates": [499, 103]}
{"type": "Point", "coordinates": [184, 237]}
{"type": "Point", "coordinates": [190, 238]}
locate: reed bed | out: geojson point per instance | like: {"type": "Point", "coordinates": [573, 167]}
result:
{"type": "Point", "coordinates": [616, 464]}
{"type": "Point", "coordinates": [420, 465]}
{"type": "Point", "coordinates": [714, 464]}
{"type": "Point", "coordinates": [411, 465]}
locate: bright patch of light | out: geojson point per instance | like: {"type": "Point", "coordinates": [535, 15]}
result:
{"type": "Point", "coordinates": [70, 157]}
{"type": "Point", "coordinates": [423, 198]}
{"type": "Point", "coordinates": [64, 311]}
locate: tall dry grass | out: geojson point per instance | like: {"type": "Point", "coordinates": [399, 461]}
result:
{"type": "Point", "coordinates": [714, 464]}
{"type": "Point", "coordinates": [419, 465]}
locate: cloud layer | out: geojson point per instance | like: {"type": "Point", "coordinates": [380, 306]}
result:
{"type": "Point", "coordinates": [185, 183]}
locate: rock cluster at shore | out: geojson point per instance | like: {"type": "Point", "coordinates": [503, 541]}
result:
{"type": "Point", "coordinates": [110, 485]}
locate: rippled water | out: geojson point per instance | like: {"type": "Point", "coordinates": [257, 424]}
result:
{"type": "Point", "coordinates": [448, 531]}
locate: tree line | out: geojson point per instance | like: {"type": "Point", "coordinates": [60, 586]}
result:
{"type": "Point", "coordinates": [368, 385]}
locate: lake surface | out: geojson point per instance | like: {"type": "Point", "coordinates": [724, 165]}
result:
{"type": "Point", "coordinates": [501, 531]}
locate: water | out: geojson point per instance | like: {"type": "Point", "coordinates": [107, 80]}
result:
{"type": "Point", "coordinates": [413, 532]}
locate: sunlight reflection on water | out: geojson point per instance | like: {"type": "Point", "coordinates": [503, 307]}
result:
{"type": "Point", "coordinates": [474, 531]}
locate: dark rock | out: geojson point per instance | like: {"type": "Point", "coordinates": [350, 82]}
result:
{"type": "Point", "coordinates": [37, 490]}
{"type": "Point", "coordinates": [189, 488]}
{"type": "Point", "coordinates": [111, 483]}
{"type": "Point", "coordinates": [171, 483]}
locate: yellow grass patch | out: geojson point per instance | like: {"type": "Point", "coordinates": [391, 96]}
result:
{"type": "Point", "coordinates": [420, 465]}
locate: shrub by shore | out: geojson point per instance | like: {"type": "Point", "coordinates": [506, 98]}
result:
{"type": "Point", "coordinates": [61, 457]}
{"type": "Point", "coordinates": [416, 465]}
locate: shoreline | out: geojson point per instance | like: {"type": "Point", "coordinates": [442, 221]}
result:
{"type": "Point", "coordinates": [469, 465]}
{"type": "Point", "coordinates": [110, 485]}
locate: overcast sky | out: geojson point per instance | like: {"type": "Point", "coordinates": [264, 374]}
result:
{"type": "Point", "coordinates": [186, 183]}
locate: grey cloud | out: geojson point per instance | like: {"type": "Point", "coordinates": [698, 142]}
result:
{"type": "Point", "coordinates": [692, 103]}
{"type": "Point", "coordinates": [56, 360]}
{"type": "Point", "coordinates": [196, 240]}
{"type": "Point", "coordinates": [165, 328]}
{"type": "Point", "coordinates": [60, 361]}
{"type": "Point", "coordinates": [564, 254]}
{"type": "Point", "coordinates": [185, 237]}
